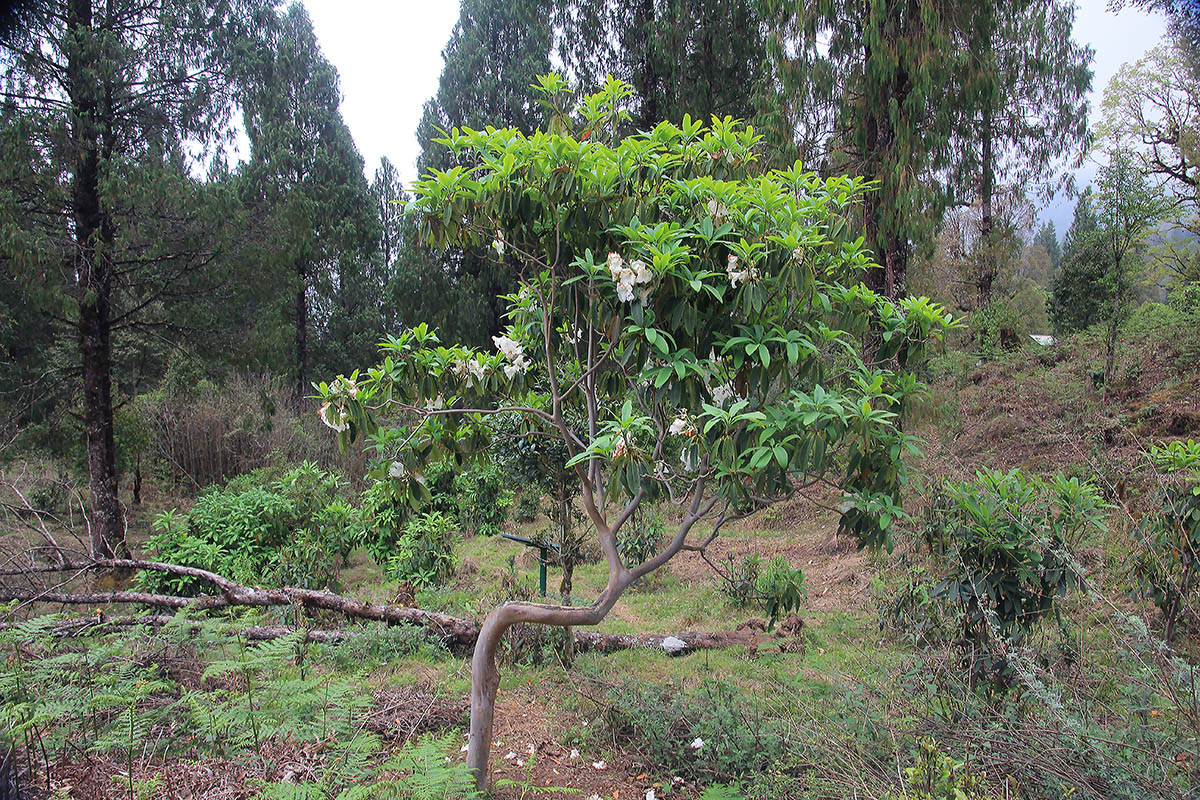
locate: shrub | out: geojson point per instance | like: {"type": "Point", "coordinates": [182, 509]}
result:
{"type": "Point", "coordinates": [527, 506]}
{"type": "Point", "coordinates": [996, 327]}
{"type": "Point", "coordinates": [1165, 562]}
{"type": "Point", "coordinates": [937, 776]}
{"type": "Point", "coordinates": [483, 499]}
{"type": "Point", "coordinates": [642, 537]}
{"type": "Point", "coordinates": [715, 733]}
{"type": "Point", "coordinates": [777, 589]}
{"type": "Point", "coordinates": [424, 555]}
{"type": "Point", "coordinates": [292, 530]}
{"type": "Point", "coordinates": [1009, 563]}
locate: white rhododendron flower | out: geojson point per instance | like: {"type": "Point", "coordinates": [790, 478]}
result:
{"type": "Point", "coordinates": [573, 336]}
{"type": "Point", "coordinates": [397, 470]}
{"type": "Point", "coordinates": [723, 393]}
{"type": "Point", "coordinates": [599, 764]}
{"type": "Point", "coordinates": [475, 369]}
{"type": "Point", "coordinates": [341, 425]}
{"type": "Point", "coordinates": [698, 743]}
{"type": "Point", "coordinates": [498, 243]}
{"type": "Point", "coordinates": [650, 794]}
{"type": "Point", "coordinates": [436, 404]}
{"type": "Point", "coordinates": [509, 348]}
{"type": "Point", "coordinates": [629, 277]}
{"type": "Point", "coordinates": [512, 350]}
{"type": "Point", "coordinates": [622, 447]}
{"type": "Point", "coordinates": [682, 426]}
{"type": "Point", "coordinates": [615, 265]}
{"type": "Point", "coordinates": [344, 386]}
{"type": "Point", "coordinates": [738, 275]}
{"type": "Point", "coordinates": [717, 210]}
{"type": "Point", "coordinates": [574, 753]}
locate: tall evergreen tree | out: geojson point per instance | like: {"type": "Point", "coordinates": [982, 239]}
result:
{"type": "Point", "coordinates": [881, 75]}
{"type": "Point", "coordinates": [1024, 83]}
{"type": "Point", "coordinates": [1047, 237]}
{"type": "Point", "coordinates": [495, 53]}
{"type": "Point", "coordinates": [1127, 209]}
{"type": "Point", "coordinates": [1079, 295]}
{"type": "Point", "coordinates": [306, 176]}
{"type": "Point", "coordinates": [103, 94]}
{"type": "Point", "coordinates": [697, 57]}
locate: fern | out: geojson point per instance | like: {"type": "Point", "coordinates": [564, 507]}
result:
{"type": "Point", "coordinates": [722, 792]}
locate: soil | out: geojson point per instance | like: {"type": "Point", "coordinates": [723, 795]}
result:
{"type": "Point", "coordinates": [836, 574]}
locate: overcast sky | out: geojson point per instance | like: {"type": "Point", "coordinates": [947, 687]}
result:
{"type": "Point", "coordinates": [388, 53]}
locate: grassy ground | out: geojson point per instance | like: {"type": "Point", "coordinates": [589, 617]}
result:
{"type": "Point", "coordinates": [852, 698]}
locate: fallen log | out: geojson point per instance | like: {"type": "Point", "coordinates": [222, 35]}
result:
{"type": "Point", "coordinates": [456, 633]}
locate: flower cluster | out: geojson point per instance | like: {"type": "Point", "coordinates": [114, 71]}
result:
{"type": "Point", "coordinates": [469, 368]}
{"type": "Point", "coordinates": [622, 447]}
{"type": "Point", "coordinates": [514, 352]}
{"type": "Point", "coordinates": [683, 426]}
{"type": "Point", "coordinates": [723, 394]}
{"type": "Point", "coordinates": [737, 274]}
{"type": "Point", "coordinates": [717, 210]}
{"type": "Point", "coordinates": [340, 422]}
{"type": "Point", "coordinates": [343, 387]}
{"type": "Point", "coordinates": [627, 276]}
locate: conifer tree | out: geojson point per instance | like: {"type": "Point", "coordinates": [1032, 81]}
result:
{"type": "Point", "coordinates": [103, 94]}
{"type": "Point", "coordinates": [879, 76]}
{"type": "Point", "coordinates": [1047, 237]}
{"type": "Point", "coordinates": [495, 53]}
{"type": "Point", "coordinates": [306, 177]}
{"type": "Point", "coordinates": [697, 57]}
{"type": "Point", "coordinates": [1024, 85]}
{"type": "Point", "coordinates": [1078, 296]}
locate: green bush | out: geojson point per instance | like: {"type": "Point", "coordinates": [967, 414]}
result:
{"type": "Point", "coordinates": [1165, 562]}
{"type": "Point", "coordinates": [424, 554]}
{"type": "Point", "coordinates": [937, 776]}
{"type": "Point", "coordinates": [777, 589]}
{"type": "Point", "coordinates": [483, 499]}
{"type": "Point", "coordinates": [715, 733]}
{"type": "Point", "coordinates": [292, 531]}
{"type": "Point", "coordinates": [641, 537]}
{"type": "Point", "coordinates": [988, 325]}
{"type": "Point", "coordinates": [1009, 561]}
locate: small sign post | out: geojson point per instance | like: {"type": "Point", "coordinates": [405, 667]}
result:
{"type": "Point", "coordinates": [544, 549]}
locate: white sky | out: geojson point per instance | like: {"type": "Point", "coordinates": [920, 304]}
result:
{"type": "Point", "coordinates": [388, 53]}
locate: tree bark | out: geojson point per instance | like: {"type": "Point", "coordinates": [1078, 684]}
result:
{"type": "Point", "coordinates": [94, 270]}
{"type": "Point", "coordinates": [301, 311]}
{"type": "Point", "coordinates": [1113, 326]}
{"type": "Point", "coordinates": [987, 264]}
{"type": "Point", "coordinates": [485, 677]}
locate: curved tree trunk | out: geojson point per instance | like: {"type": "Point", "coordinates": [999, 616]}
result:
{"type": "Point", "coordinates": [485, 677]}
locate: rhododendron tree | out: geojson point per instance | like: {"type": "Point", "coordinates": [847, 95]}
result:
{"type": "Point", "coordinates": [688, 325]}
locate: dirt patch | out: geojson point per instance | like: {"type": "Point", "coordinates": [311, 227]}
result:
{"type": "Point", "coordinates": [836, 573]}
{"type": "Point", "coordinates": [524, 723]}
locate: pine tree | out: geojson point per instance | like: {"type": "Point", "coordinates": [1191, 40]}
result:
{"type": "Point", "coordinates": [876, 81]}
{"type": "Point", "coordinates": [697, 57]}
{"type": "Point", "coordinates": [305, 177]}
{"type": "Point", "coordinates": [105, 93]}
{"type": "Point", "coordinates": [1024, 84]}
{"type": "Point", "coordinates": [495, 53]}
{"type": "Point", "coordinates": [1079, 293]}
{"type": "Point", "coordinates": [1047, 237]}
